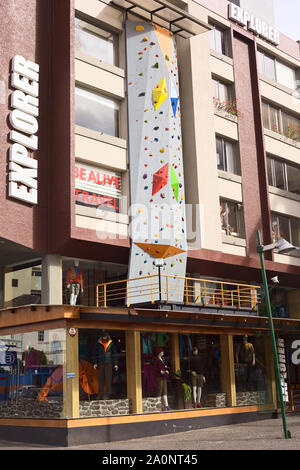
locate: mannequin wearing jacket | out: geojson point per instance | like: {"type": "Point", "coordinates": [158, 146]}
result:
{"type": "Point", "coordinates": [161, 375]}
{"type": "Point", "coordinates": [105, 359]}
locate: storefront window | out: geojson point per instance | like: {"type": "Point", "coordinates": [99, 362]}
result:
{"type": "Point", "coordinates": [81, 278]}
{"type": "Point", "coordinates": [31, 373]}
{"type": "Point", "coordinates": [23, 285]}
{"type": "Point", "coordinates": [180, 371]}
{"type": "Point", "coordinates": [251, 372]}
{"type": "Point", "coordinates": [102, 368]}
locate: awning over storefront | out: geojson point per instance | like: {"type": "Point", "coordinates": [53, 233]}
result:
{"type": "Point", "coordinates": [165, 15]}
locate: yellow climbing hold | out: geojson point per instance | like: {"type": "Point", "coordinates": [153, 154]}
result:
{"type": "Point", "coordinates": [140, 28]}
{"type": "Point", "coordinates": [159, 93]}
{"type": "Point", "coordinates": [162, 150]}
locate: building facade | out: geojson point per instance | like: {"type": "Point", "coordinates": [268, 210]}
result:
{"type": "Point", "coordinates": [143, 146]}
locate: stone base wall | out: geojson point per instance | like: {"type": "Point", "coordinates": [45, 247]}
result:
{"type": "Point", "coordinates": [251, 398]}
{"type": "Point", "coordinates": [94, 408]}
{"type": "Point", "coordinates": [214, 400]}
{"type": "Point", "coordinates": [152, 405]}
{"type": "Point", "coordinates": [31, 408]}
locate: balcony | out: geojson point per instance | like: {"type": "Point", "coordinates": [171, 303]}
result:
{"type": "Point", "coordinates": [180, 293]}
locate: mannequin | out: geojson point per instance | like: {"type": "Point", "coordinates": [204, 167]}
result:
{"type": "Point", "coordinates": [197, 379]}
{"type": "Point", "coordinates": [245, 355]}
{"type": "Point", "coordinates": [74, 282]}
{"type": "Point", "coordinates": [105, 359]}
{"type": "Point", "coordinates": [161, 375]}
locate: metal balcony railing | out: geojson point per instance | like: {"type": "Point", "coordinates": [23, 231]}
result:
{"type": "Point", "coordinates": [173, 289]}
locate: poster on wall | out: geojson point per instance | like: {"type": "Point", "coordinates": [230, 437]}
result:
{"type": "Point", "coordinates": [97, 187]}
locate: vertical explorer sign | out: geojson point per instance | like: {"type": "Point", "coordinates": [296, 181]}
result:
{"type": "Point", "coordinates": [23, 169]}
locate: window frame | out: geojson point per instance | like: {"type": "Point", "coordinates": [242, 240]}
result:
{"type": "Point", "coordinates": [281, 115]}
{"type": "Point", "coordinates": [92, 26]}
{"type": "Point", "coordinates": [225, 49]}
{"type": "Point", "coordinates": [272, 160]}
{"type": "Point", "coordinates": [236, 152]}
{"type": "Point", "coordinates": [289, 219]}
{"type": "Point", "coordinates": [240, 223]}
{"type": "Point", "coordinates": [276, 61]}
{"type": "Point", "coordinates": [101, 94]}
{"type": "Point", "coordinates": [228, 86]}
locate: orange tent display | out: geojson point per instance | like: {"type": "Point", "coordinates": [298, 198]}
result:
{"type": "Point", "coordinates": [88, 379]}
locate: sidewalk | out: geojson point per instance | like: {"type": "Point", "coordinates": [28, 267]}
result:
{"type": "Point", "coordinates": [258, 435]}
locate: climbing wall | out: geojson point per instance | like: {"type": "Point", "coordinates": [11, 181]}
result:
{"type": "Point", "coordinates": [158, 228]}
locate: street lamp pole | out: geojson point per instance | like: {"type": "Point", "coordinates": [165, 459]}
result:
{"type": "Point", "coordinates": [261, 250]}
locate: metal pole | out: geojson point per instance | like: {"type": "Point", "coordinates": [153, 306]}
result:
{"type": "Point", "coordinates": [159, 284]}
{"type": "Point", "coordinates": [286, 432]}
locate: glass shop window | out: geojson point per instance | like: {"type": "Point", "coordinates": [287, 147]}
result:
{"type": "Point", "coordinates": [218, 39]}
{"type": "Point", "coordinates": [96, 42]}
{"type": "Point", "coordinates": [232, 218]}
{"type": "Point", "coordinates": [180, 371]}
{"type": "Point", "coordinates": [96, 112]}
{"type": "Point", "coordinates": [227, 156]}
{"type": "Point", "coordinates": [23, 285]}
{"type": "Point", "coordinates": [80, 279]}
{"type": "Point", "coordinates": [31, 374]}
{"type": "Point", "coordinates": [251, 374]}
{"type": "Point", "coordinates": [102, 368]}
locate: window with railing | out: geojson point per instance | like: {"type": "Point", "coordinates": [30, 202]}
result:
{"type": "Point", "coordinates": [276, 70]}
{"type": "Point", "coordinates": [232, 218]}
{"type": "Point", "coordinates": [227, 156]}
{"type": "Point", "coordinates": [283, 175]}
{"type": "Point", "coordinates": [278, 120]}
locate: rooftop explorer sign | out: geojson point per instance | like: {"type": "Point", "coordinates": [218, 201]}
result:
{"type": "Point", "coordinates": [256, 25]}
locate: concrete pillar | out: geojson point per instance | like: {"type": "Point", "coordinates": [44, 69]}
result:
{"type": "Point", "coordinates": [227, 369]}
{"type": "Point", "coordinates": [52, 280]}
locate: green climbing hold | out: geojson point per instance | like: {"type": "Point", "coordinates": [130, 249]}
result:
{"type": "Point", "coordinates": [174, 183]}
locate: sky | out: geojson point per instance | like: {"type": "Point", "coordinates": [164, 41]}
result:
{"type": "Point", "coordinates": [287, 17]}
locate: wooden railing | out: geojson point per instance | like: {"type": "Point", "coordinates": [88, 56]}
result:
{"type": "Point", "coordinates": [167, 288]}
